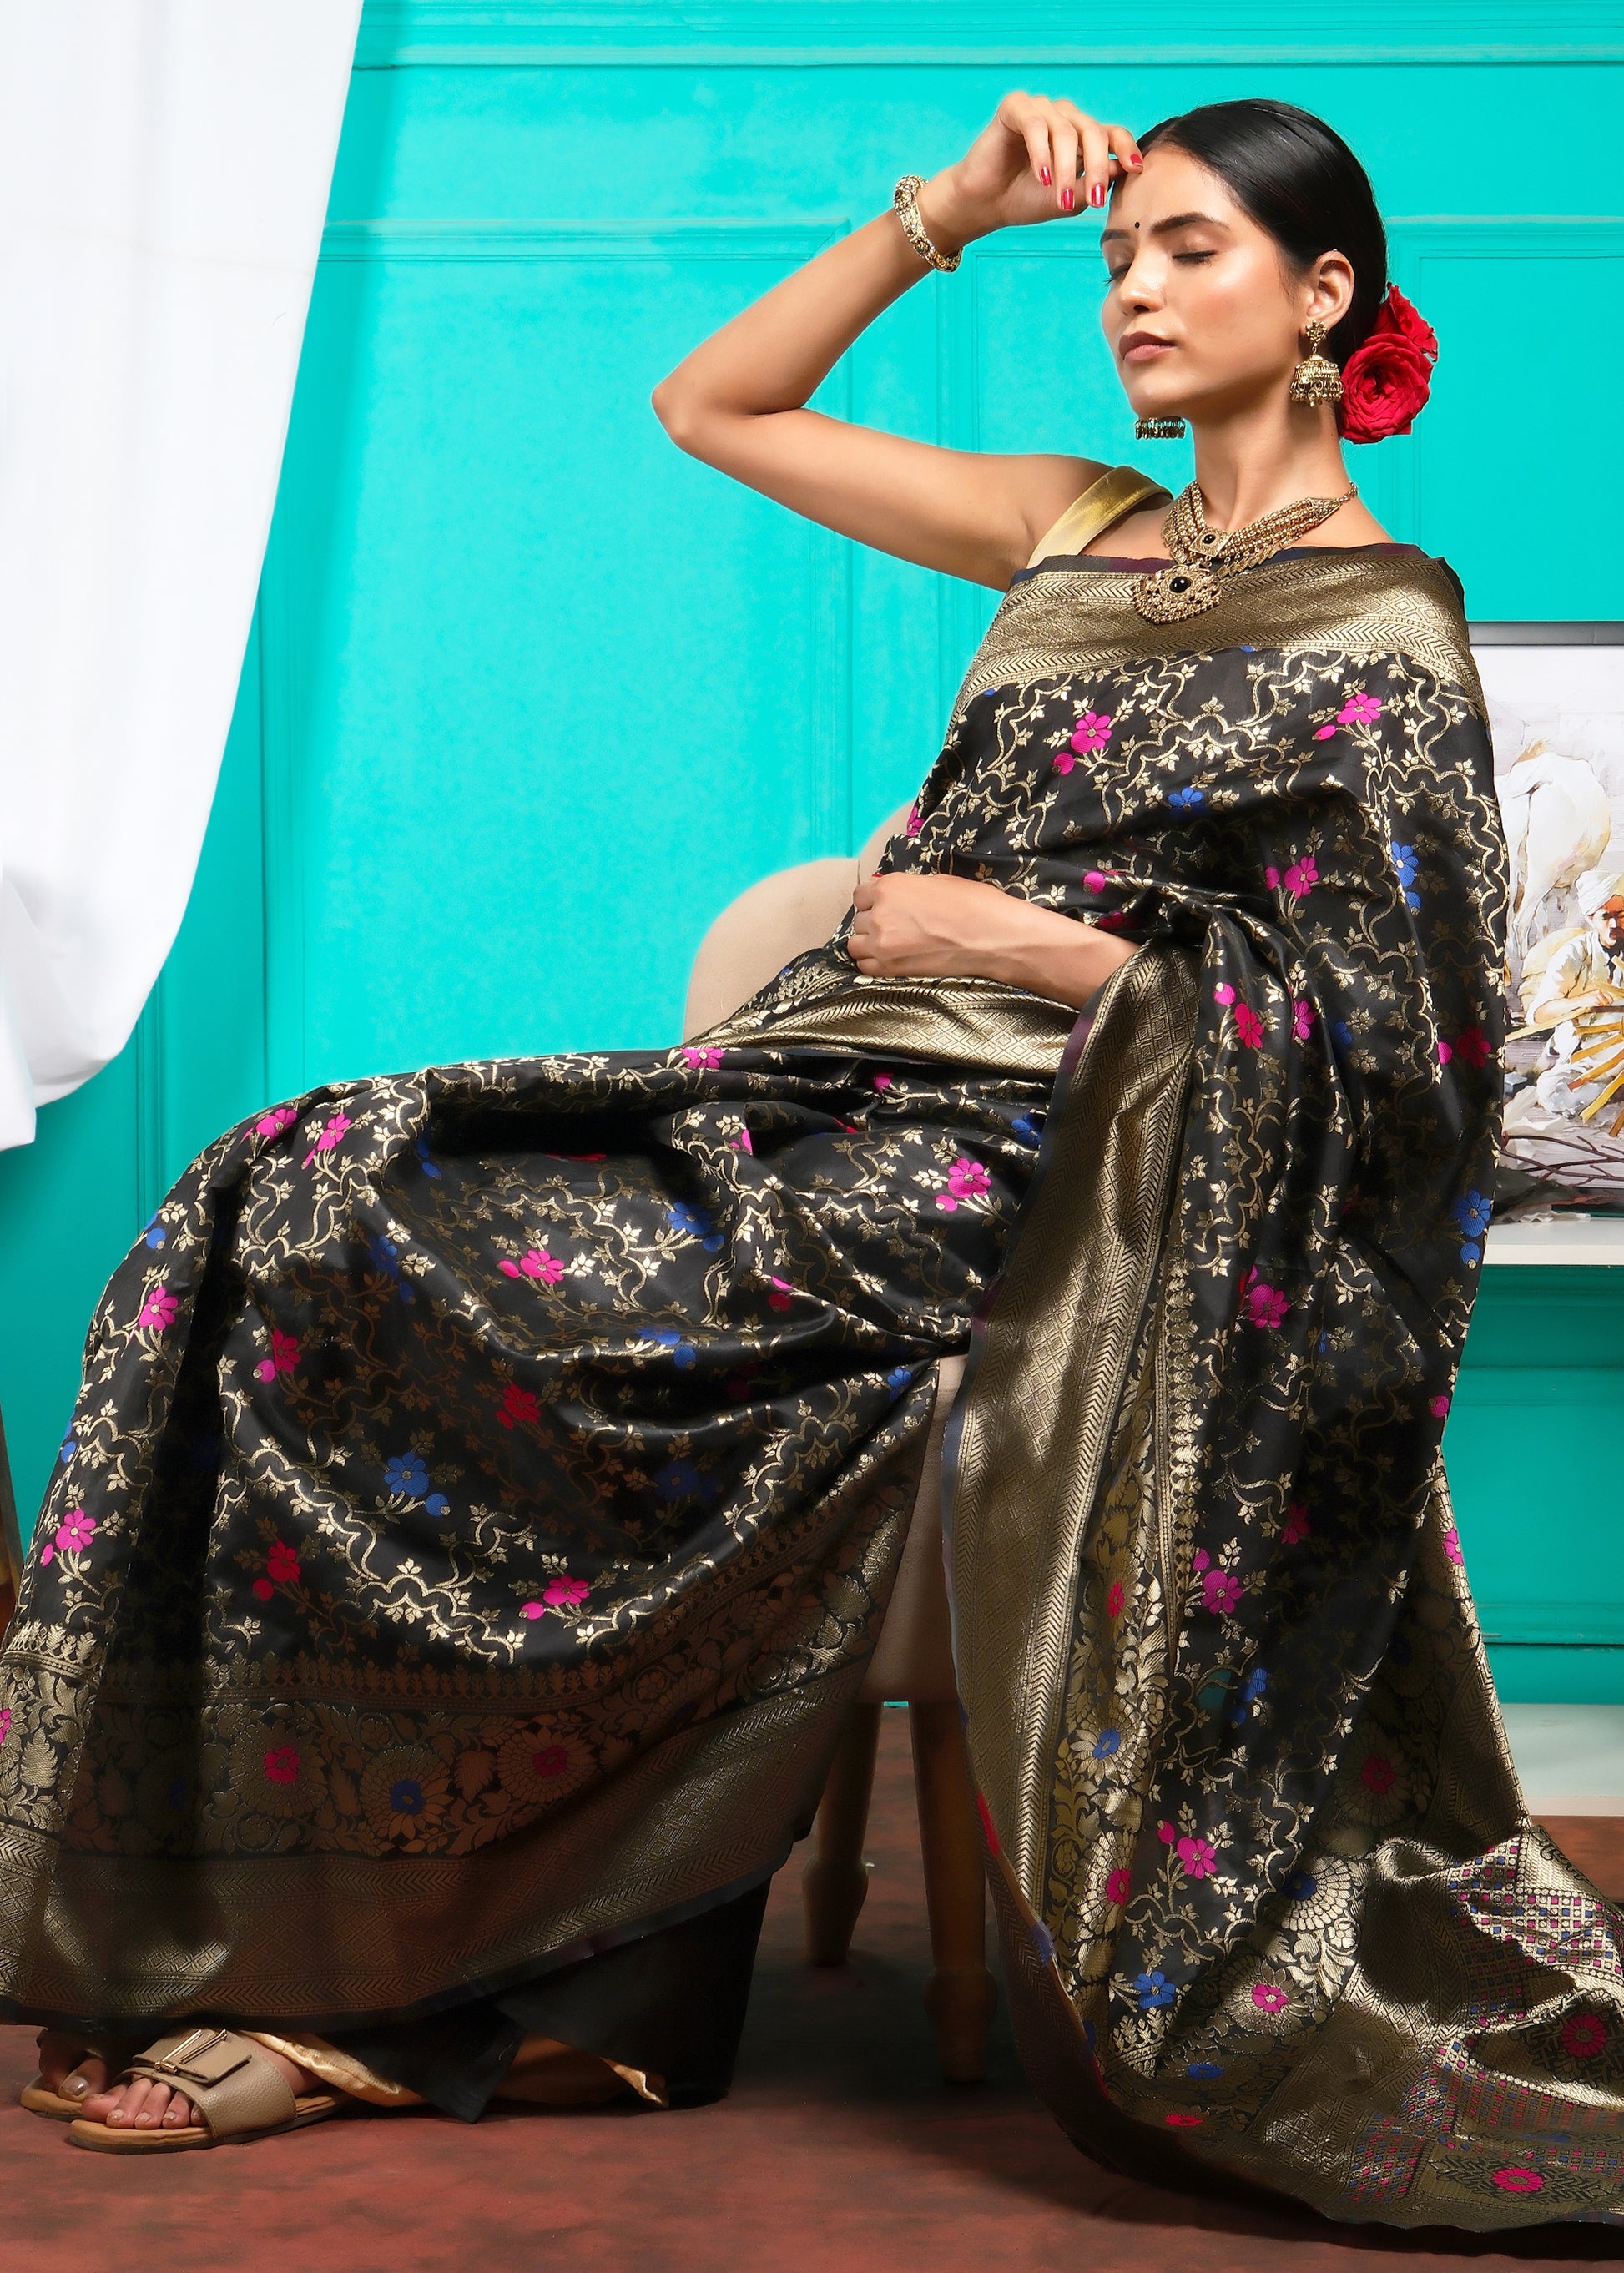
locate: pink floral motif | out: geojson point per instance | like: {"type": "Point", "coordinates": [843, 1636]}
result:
{"type": "Point", "coordinates": [537, 1264]}
{"type": "Point", "coordinates": [1095, 881]}
{"type": "Point", "coordinates": [1517, 2178]}
{"type": "Point", "coordinates": [284, 1357]}
{"type": "Point", "coordinates": [1268, 1997]}
{"type": "Point", "coordinates": [1324, 733]}
{"type": "Point", "coordinates": [550, 1760]}
{"type": "Point", "coordinates": [338, 1126]}
{"type": "Point", "coordinates": [158, 1310]}
{"type": "Point", "coordinates": [282, 1764]}
{"type": "Point", "coordinates": [1092, 732]}
{"type": "Point", "coordinates": [1181, 2119]}
{"type": "Point", "coordinates": [1301, 877]}
{"type": "Point", "coordinates": [5, 1723]}
{"type": "Point", "coordinates": [1223, 993]}
{"type": "Point", "coordinates": [883, 1080]}
{"type": "Point", "coordinates": [1360, 710]}
{"type": "Point", "coordinates": [1295, 1527]}
{"type": "Point", "coordinates": [532, 1609]}
{"type": "Point", "coordinates": [263, 1589]}
{"type": "Point", "coordinates": [272, 1123]}
{"type": "Point", "coordinates": [1451, 1546]}
{"type": "Point", "coordinates": [282, 1563]}
{"type": "Point", "coordinates": [1437, 1407]}
{"type": "Point", "coordinates": [1445, 1053]}
{"type": "Point", "coordinates": [914, 821]}
{"type": "Point", "coordinates": [697, 1058]}
{"type": "Point", "coordinates": [1378, 1773]}
{"type": "Point", "coordinates": [1261, 1304]}
{"type": "Point", "coordinates": [1303, 1016]}
{"type": "Point", "coordinates": [1166, 1834]}
{"type": "Point", "coordinates": [1472, 1044]}
{"type": "Point", "coordinates": [1221, 1591]}
{"type": "Point", "coordinates": [1248, 1025]}
{"type": "Point", "coordinates": [75, 1532]}
{"type": "Point", "coordinates": [517, 1405]}
{"type": "Point", "coordinates": [1198, 1857]}
{"type": "Point", "coordinates": [966, 1180]}
{"type": "Point", "coordinates": [742, 1142]}
{"type": "Point", "coordinates": [1583, 2034]}
{"type": "Point", "coordinates": [781, 1297]}
{"type": "Point", "coordinates": [1114, 1599]}
{"type": "Point", "coordinates": [563, 1593]}
{"type": "Point", "coordinates": [1119, 1885]}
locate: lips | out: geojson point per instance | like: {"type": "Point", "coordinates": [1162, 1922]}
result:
{"type": "Point", "coordinates": [1142, 346]}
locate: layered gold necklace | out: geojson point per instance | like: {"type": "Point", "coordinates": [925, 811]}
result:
{"type": "Point", "coordinates": [1193, 581]}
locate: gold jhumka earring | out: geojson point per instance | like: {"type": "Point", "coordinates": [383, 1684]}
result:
{"type": "Point", "coordinates": [1315, 378]}
{"type": "Point", "coordinates": [1158, 430]}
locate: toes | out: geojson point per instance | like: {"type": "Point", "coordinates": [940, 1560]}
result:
{"type": "Point", "coordinates": [88, 2081]}
{"type": "Point", "coordinates": [152, 2109]}
{"type": "Point", "coordinates": [177, 2115]}
{"type": "Point", "coordinates": [128, 2103]}
{"type": "Point", "coordinates": [58, 2054]}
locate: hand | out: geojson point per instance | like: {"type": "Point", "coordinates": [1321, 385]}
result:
{"type": "Point", "coordinates": [949, 927]}
{"type": "Point", "coordinates": [1037, 159]}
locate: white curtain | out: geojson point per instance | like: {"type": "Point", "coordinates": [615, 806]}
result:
{"type": "Point", "coordinates": [164, 171]}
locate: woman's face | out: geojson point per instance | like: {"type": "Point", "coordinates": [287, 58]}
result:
{"type": "Point", "coordinates": [1202, 314]}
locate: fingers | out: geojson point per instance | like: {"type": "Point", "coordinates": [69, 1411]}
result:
{"type": "Point", "coordinates": [864, 896]}
{"type": "Point", "coordinates": [1035, 119]}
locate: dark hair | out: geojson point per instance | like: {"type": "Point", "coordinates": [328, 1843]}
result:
{"type": "Point", "coordinates": [1297, 179]}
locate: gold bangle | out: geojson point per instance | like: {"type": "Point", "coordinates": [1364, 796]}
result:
{"type": "Point", "coordinates": [905, 198]}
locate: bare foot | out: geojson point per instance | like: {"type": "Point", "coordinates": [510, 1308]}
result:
{"type": "Point", "coordinates": [65, 2066]}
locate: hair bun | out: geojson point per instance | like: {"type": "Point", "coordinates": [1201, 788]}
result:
{"type": "Point", "coordinates": [1388, 377]}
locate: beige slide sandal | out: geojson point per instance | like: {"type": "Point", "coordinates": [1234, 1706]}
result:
{"type": "Point", "coordinates": [40, 2099]}
{"type": "Point", "coordinates": [240, 2093]}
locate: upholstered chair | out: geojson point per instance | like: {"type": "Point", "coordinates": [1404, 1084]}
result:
{"type": "Point", "coordinates": [912, 1665]}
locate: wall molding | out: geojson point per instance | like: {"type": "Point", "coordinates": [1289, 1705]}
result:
{"type": "Point", "coordinates": [679, 239]}
{"type": "Point", "coordinates": [905, 34]}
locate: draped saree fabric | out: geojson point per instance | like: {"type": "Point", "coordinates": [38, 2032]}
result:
{"type": "Point", "coordinates": [487, 1482]}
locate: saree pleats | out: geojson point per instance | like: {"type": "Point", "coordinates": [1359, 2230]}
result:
{"type": "Point", "coordinates": [487, 1483]}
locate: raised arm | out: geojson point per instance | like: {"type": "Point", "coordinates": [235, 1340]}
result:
{"type": "Point", "coordinates": [738, 400]}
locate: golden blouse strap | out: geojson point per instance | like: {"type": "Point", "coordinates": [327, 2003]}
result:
{"type": "Point", "coordinates": [1116, 493]}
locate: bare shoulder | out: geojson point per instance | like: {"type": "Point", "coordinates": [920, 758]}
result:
{"type": "Point", "coordinates": [1045, 484]}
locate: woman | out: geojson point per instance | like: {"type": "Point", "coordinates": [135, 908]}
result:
{"type": "Point", "coordinates": [488, 1482]}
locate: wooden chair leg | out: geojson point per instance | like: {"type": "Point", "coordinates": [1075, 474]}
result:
{"type": "Point", "coordinates": [961, 1993]}
{"type": "Point", "coordinates": [834, 1886]}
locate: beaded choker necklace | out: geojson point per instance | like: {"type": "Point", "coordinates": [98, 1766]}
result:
{"type": "Point", "coordinates": [1193, 581]}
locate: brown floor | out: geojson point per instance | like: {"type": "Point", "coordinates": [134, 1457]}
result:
{"type": "Point", "coordinates": [839, 2152]}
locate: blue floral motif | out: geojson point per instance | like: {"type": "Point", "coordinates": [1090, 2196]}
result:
{"type": "Point", "coordinates": [698, 1223]}
{"type": "Point", "coordinates": [1091, 2036]}
{"type": "Point", "coordinates": [1043, 1941]}
{"type": "Point", "coordinates": [1472, 1211]}
{"type": "Point", "coordinates": [1342, 1033]}
{"type": "Point", "coordinates": [66, 1450]}
{"type": "Point", "coordinates": [154, 1234]}
{"type": "Point", "coordinates": [1186, 800]}
{"type": "Point", "coordinates": [679, 1479]}
{"type": "Point", "coordinates": [1108, 1741]}
{"type": "Point", "coordinates": [406, 1474]}
{"type": "Point", "coordinates": [406, 1797]}
{"type": "Point", "coordinates": [683, 1354]}
{"type": "Point", "coordinates": [437, 1504]}
{"type": "Point", "coordinates": [1250, 1691]}
{"type": "Point", "coordinates": [1155, 1989]}
{"type": "Point", "coordinates": [1405, 861]}
{"type": "Point", "coordinates": [1026, 1128]}
{"type": "Point", "coordinates": [428, 1165]}
{"type": "Point", "coordinates": [1204, 2070]}
{"type": "Point", "coordinates": [386, 1255]}
{"type": "Point", "coordinates": [899, 1377]}
{"type": "Point", "coordinates": [1302, 1886]}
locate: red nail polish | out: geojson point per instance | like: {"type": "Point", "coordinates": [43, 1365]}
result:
{"type": "Point", "coordinates": [1044, 175]}
{"type": "Point", "coordinates": [1068, 198]}
{"type": "Point", "coordinates": [1096, 196]}
{"type": "Point", "coordinates": [1136, 160]}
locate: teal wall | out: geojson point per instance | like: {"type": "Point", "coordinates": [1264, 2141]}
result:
{"type": "Point", "coordinates": [530, 695]}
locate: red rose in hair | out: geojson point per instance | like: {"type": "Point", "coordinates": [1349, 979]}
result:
{"type": "Point", "coordinates": [1388, 376]}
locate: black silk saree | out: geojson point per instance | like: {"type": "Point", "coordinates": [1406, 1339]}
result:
{"type": "Point", "coordinates": [488, 1482]}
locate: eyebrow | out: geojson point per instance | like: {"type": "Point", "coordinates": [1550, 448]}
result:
{"type": "Point", "coordinates": [1166, 227]}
